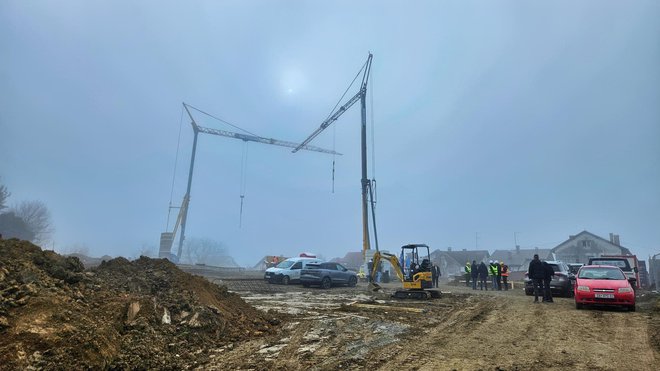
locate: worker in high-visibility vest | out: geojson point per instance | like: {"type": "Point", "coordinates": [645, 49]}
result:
{"type": "Point", "coordinates": [468, 273]}
{"type": "Point", "coordinates": [492, 272]}
{"type": "Point", "coordinates": [505, 275]}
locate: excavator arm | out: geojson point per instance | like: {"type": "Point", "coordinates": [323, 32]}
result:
{"type": "Point", "coordinates": [392, 259]}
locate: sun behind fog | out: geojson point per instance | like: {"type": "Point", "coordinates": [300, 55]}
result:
{"type": "Point", "coordinates": [292, 81]}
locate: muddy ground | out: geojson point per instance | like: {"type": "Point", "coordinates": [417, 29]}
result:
{"type": "Point", "coordinates": [346, 328]}
{"type": "Point", "coordinates": [149, 314]}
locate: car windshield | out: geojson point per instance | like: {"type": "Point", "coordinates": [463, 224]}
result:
{"type": "Point", "coordinates": [285, 264]}
{"type": "Point", "coordinates": [601, 274]}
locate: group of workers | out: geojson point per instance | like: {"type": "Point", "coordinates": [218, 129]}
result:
{"type": "Point", "coordinates": [495, 272]}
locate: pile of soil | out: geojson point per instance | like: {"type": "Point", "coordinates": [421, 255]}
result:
{"type": "Point", "coordinates": [122, 314]}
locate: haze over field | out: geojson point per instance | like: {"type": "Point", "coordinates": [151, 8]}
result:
{"type": "Point", "coordinates": [540, 119]}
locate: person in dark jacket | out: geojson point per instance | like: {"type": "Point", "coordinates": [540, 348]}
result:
{"type": "Point", "coordinates": [536, 273]}
{"type": "Point", "coordinates": [483, 276]}
{"type": "Point", "coordinates": [475, 274]}
{"type": "Point", "coordinates": [434, 274]}
{"type": "Point", "coordinates": [370, 268]}
{"type": "Point", "coordinates": [549, 272]}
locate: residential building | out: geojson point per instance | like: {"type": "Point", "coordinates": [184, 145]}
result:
{"type": "Point", "coordinates": [584, 245]}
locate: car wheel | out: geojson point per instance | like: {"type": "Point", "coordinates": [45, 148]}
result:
{"type": "Point", "coordinates": [578, 306]}
{"type": "Point", "coordinates": [352, 282]}
{"type": "Point", "coordinates": [529, 292]}
{"type": "Point", "coordinates": [285, 280]}
{"type": "Point", "coordinates": [326, 283]}
{"type": "Point", "coordinates": [632, 308]}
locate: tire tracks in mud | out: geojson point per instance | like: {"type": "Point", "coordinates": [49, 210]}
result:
{"type": "Point", "coordinates": [461, 331]}
{"type": "Point", "coordinates": [502, 332]}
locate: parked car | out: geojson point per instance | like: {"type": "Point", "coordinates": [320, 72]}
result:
{"type": "Point", "coordinates": [327, 274]}
{"type": "Point", "coordinates": [574, 267]}
{"type": "Point", "coordinates": [604, 285]}
{"type": "Point", "coordinates": [560, 285]}
{"type": "Point", "coordinates": [627, 263]}
{"type": "Point", "coordinates": [288, 271]}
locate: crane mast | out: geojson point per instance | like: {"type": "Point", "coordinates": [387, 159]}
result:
{"type": "Point", "coordinates": [367, 191]}
{"type": "Point", "coordinates": [167, 238]}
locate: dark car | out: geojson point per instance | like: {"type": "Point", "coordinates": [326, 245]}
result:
{"type": "Point", "coordinates": [327, 274]}
{"type": "Point", "coordinates": [560, 284]}
{"type": "Point", "coordinates": [574, 267]}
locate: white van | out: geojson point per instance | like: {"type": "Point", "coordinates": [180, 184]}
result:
{"type": "Point", "coordinates": [288, 271]}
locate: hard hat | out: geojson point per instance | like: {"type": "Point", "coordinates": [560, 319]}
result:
{"type": "Point", "coordinates": [491, 262]}
{"type": "Point", "coordinates": [501, 262]}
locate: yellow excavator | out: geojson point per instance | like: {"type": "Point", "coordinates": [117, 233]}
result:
{"type": "Point", "coordinates": [418, 282]}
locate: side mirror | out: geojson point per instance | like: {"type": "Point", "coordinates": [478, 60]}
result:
{"type": "Point", "coordinates": [636, 270]}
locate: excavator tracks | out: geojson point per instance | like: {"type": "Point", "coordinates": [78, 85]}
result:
{"type": "Point", "coordinates": [417, 294]}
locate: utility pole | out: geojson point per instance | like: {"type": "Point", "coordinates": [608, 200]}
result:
{"type": "Point", "coordinates": [515, 239]}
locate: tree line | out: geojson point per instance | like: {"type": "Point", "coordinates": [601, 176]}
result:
{"type": "Point", "coordinates": [27, 220]}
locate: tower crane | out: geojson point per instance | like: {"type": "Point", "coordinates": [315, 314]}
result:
{"type": "Point", "coordinates": [367, 190]}
{"type": "Point", "coordinates": [167, 238]}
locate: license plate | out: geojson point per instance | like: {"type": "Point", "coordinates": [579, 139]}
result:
{"type": "Point", "coordinates": [605, 296]}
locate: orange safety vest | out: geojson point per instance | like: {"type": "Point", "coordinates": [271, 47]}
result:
{"type": "Point", "coordinates": [505, 270]}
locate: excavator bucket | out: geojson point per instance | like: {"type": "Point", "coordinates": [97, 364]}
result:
{"type": "Point", "coordinates": [373, 287]}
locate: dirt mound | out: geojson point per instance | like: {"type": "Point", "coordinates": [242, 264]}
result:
{"type": "Point", "coordinates": [123, 314]}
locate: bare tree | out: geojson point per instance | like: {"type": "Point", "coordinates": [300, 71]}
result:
{"type": "Point", "coordinates": [4, 195]}
{"type": "Point", "coordinates": [11, 226]}
{"type": "Point", "coordinates": [78, 249]}
{"type": "Point", "coordinates": [37, 217]}
{"type": "Point", "coordinates": [207, 251]}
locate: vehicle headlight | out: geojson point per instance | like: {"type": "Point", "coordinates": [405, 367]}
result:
{"type": "Point", "coordinates": [583, 288]}
{"type": "Point", "coordinates": [625, 289]}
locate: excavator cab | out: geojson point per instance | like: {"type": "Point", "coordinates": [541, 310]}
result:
{"type": "Point", "coordinates": [413, 268]}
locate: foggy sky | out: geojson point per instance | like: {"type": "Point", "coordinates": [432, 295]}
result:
{"type": "Point", "coordinates": [490, 118]}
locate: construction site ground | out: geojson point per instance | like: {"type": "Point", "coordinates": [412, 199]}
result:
{"type": "Point", "coordinates": [56, 313]}
{"type": "Point", "coordinates": [352, 328]}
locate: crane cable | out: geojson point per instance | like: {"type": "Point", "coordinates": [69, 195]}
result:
{"type": "Point", "coordinates": [334, 137]}
{"type": "Point", "coordinates": [176, 161]}
{"type": "Point", "coordinates": [243, 186]}
{"type": "Point", "coordinates": [223, 121]}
